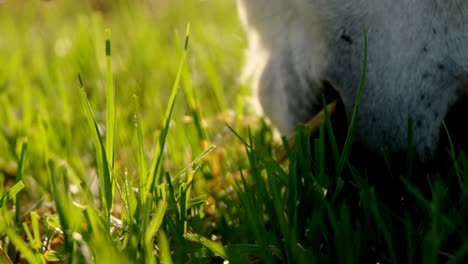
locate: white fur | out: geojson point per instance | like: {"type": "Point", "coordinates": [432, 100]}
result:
{"type": "Point", "coordinates": [417, 53]}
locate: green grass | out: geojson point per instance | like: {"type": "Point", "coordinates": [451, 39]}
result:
{"type": "Point", "coordinates": [125, 139]}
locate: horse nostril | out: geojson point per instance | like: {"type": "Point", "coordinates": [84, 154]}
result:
{"type": "Point", "coordinates": [337, 114]}
{"type": "Point", "coordinates": [339, 119]}
{"type": "Point", "coordinates": [462, 80]}
{"type": "Point", "coordinates": [464, 85]}
{"type": "Point", "coordinates": [455, 120]}
{"type": "Point", "coordinates": [329, 91]}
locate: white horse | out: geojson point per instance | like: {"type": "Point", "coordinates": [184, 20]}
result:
{"type": "Point", "coordinates": [417, 61]}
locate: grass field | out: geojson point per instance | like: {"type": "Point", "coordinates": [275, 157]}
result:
{"type": "Point", "coordinates": [126, 137]}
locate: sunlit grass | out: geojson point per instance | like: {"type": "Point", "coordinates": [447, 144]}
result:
{"type": "Point", "coordinates": [125, 138]}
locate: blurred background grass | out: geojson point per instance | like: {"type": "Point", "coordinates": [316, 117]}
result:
{"type": "Point", "coordinates": [44, 45]}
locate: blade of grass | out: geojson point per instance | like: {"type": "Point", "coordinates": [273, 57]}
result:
{"type": "Point", "coordinates": [129, 200]}
{"type": "Point", "coordinates": [153, 229]}
{"type": "Point", "coordinates": [36, 243]}
{"type": "Point", "coordinates": [194, 105]}
{"type": "Point", "coordinates": [165, 251]}
{"type": "Point", "coordinates": [349, 137]}
{"type": "Point", "coordinates": [196, 160]}
{"type": "Point", "coordinates": [215, 247]}
{"type": "Point", "coordinates": [453, 156]}
{"type": "Point", "coordinates": [155, 176]}
{"type": "Point", "coordinates": [247, 145]}
{"type": "Point", "coordinates": [254, 218]}
{"type": "Point", "coordinates": [20, 245]}
{"type": "Point", "coordinates": [12, 193]}
{"type": "Point", "coordinates": [182, 223]}
{"type": "Point", "coordinates": [142, 163]}
{"type": "Point", "coordinates": [62, 203]}
{"type": "Point", "coordinates": [286, 227]}
{"type": "Point", "coordinates": [460, 255]}
{"type": "Point", "coordinates": [19, 177]}
{"type": "Point", "coordinates": [372, 205]}
{"type": "Point", "coordinates": [105, 172]}
{"type": "Point", "coordinates": [319, 154]}
{"type": "Point", "coordinates": [4, 259]}
{"type": "Point", "coordinates": [110, 104]}
{"type": "Point", "coordinates": [29, 236]}
{"type": "Point", "coordinates": [331, 133]}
